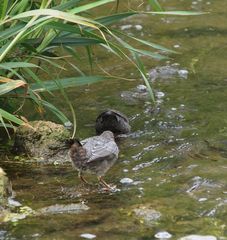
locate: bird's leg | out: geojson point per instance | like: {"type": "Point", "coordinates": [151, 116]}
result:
{"type": "Point", "coordinates": [100, 179]}
{"type": "Point", "coordinates": [82, 178]}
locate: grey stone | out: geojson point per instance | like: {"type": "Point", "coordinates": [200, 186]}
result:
{"type": "Point", "coordinates": [63, 208]}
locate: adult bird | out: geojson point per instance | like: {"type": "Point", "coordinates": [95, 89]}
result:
{"type": "Point", "coordinates": [114, 121]}
{"type": "Point", "coordinates": [95, 155]}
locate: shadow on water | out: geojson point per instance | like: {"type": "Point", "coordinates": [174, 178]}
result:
{"type": "Point", "coordinates": [171, 170]}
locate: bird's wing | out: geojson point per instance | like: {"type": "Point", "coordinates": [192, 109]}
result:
{"type": "Point", "coordinates": [99, 148]}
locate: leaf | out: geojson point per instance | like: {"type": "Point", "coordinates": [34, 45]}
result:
{"type": "Point", "coordinates": [155, 5]}
{"type": "Point", "coordinates": [10, 117]}
{"type": "Point", "coordinates": [89, 6]}
{"type": "Point", "coordinates": [3, 8]}
{"type": "Point", "coordinates": [76, 41]}
{"type": "Point", "coordinates": [66, 5]}
{"type": "Point", "coordinates": [178, 13]}
{"type": "Point", "coordinates": [9, 86]}
{"type": "Point", "coordinates": [143, 52]}
{"type": "Point", "coordinates": [7, 65]}
{"type": "Point", "coordinates": [107, 20]}
{"type": "Point", "coordinates": [141, 69]}
{"type": "Point", "coordinates": [59, 15]}
{"type": "Point", "coordinates": [66, 83]}
{"type": "Point", "coordinates": [154, 45]}
{"type": "Point", "coordinates": [56, 111]}
{"type": "Point", "coordinates": [9, 32]}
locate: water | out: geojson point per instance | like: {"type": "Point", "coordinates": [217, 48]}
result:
{"type": "Point", "coordinates": [175, 155]}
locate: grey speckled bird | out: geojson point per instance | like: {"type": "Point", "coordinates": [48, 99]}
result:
{"type": "Point", "coordinates": [113, 121]}
{"type": "Point", "coordinates": [95, 155]}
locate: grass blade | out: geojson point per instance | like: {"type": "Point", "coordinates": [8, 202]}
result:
{"type": "Point", "coordinates": [9, 86]}
{"type": "Point", "coordinates": [10, 117]}
{"type": "Point", "coordinates": [155, 5]}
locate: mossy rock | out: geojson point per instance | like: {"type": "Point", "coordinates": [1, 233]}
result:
{"type": "Point", "coordinates": [5, 189]}
{"type": "Point", "coordinates": [43, 140]}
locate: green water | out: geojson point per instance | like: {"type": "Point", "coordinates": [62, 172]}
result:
{"type": "Point", "coordinates": [176, 156]}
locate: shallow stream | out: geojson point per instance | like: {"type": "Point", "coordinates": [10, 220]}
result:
{"type": "Point", "coordinates": [175, 157]}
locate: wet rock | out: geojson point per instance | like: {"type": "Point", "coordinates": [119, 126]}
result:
{"type": "Point", "coordinates": [146, 214]}
{"type": "Point", "coordinates": [141, 88]}
{"type": "Point", "coordinates": [141, 93]}
{"type": "Point", "coordinates": [5, 189]}
{"type": "Point", "coordinates": [63, 208]}
{"type": "Point", "coordinates": [44, 140]}
{"type": "Point", "coordinates": [167, 72]}
{"type": "Point", "coordinates": [198, 237]}
{"type": "Point", "coordinates": [8, 216]}
{"type": "Point", "coordinates": [88, 235]}
{"type": "Point", "coordinates": [201, 188]}
{"type": "Point", "coordinates": [126, 181]}
{"type": "Point", "coordinates": [137, 27]}
{"type": "Point", "coordinates": [163, 235]}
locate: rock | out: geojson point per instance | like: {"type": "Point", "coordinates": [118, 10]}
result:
{"type": "Point", "coordinates": [8, 216]}
{"type": "Point", "coordinates": [5, 189]}
{"type": "Point", "coordinates": [88, 235]}
{"type": "Point", "coordinates": [141, 88]}
{"type": "Point", "coordinates": [198, 237]}
{"type": "Point", "coordinates": [146, 214]}
{"type": "Point", "coordinates": [63, 208]}
{"type": "Point", "coordinates": [44, 140]}
{"type": "Point", "coordinates": [163, 235]}
{"type": "Point", "coordinates": [126, 181]}
{"type": "Point", "coordinates": [167, 72]}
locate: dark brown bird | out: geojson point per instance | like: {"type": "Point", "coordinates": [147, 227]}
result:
{"type": "Point", "coordinates": [113, 121]}
{"type": "Point", "coordinates": [95, 155]}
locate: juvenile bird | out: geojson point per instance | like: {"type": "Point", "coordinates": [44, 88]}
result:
{"type": "Point", "coordinates": [113, 121]}
{"type": "Point", "coordinates": [95, 155]}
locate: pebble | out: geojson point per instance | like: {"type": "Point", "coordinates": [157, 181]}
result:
{"type": "Point", "coordinates": [125, 27]}
{"type": "Point", "coordinates": [88, 235]}
{"type": "Point", "coordinates": [141, 88]}
{"type": "Point", "coordinates": [183, 73]}
{"type": "Point", "coordinates": [163, 235]}
{"type": "Point", "coordinates": [160, 94]}
{"type": "Point", "coordinates": [138, 27]}
{"type": "Point", "coordinates": [202, 199]}
{"type": "Point", "coordinates": [14, 203]}
{"type": "Point", "coordinates": [198, 237]}
{"type": "Point", "coordinates": [126, 181]}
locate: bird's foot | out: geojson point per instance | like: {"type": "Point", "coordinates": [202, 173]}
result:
{"type": "Point", "coordinates": [110, 189]}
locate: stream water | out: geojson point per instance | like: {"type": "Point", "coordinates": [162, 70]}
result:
{"type": "Point", "coordinates": [175, 156]}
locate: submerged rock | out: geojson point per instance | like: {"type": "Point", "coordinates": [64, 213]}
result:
{"type": "Point", "coordinates": [63, 208]}
{"type": "Point", "coordinates": [198, 237]}
{"type": "Point", "coordinates": [146, 214]}
{"type": "Point", "coordinates": [167, 72]}
{"type": "Point", "coordinates": [8, 216]}
{"type": "Point", "coordinates": [42, 139]}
